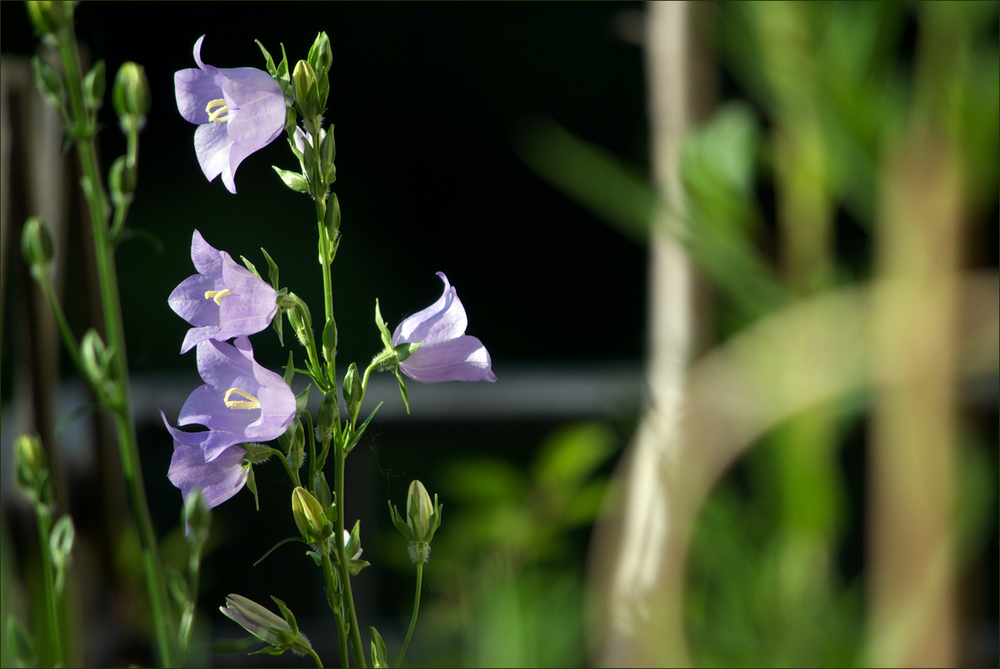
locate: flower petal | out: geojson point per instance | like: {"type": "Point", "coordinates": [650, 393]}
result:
{"type": "Point", "coordinates": [194, 89]}
{"type": "Point", "coordinates": [189, 302]}
{"type": "Point", "coordinates": [213, 144]}
{"type": "Point", "coordinates": [461, 359]}
{"type": "Point", "coordinates": [206, 258]}
{"type": "Point", "coordinates": [443, 320]}
{"type": "Point", "coordinates": [252, 305]}
{"type": "Point", "coordinates": [218, 480]}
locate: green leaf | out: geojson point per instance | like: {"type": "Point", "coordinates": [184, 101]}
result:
{"type": "Point", "coordinates": [382, 327]}
{"type": "Point", "coordinates": [290, 369]}
{"type": "Point", "coordinates": [271, 69]}
{"type": "Point", "coordinates": [402, 390]}
{"type": "Point", "coordinates": [378, 650]}
{"type": "Point", "coordinates": [288, 615]}
{"type": "Point", "coordinates": [21, 644]}
{"type": "Point", "coordinates": [293, 180]}
{"type": "Point", "coordinates": [302, 400]}
{"type": "Point", "coordinates": [279, 544]}
{"type": "Point", "coordinates": [272, 269]}
{"type": "Point", "coordinates": [252, 484]}
{"type": "Point", "coordinates": [250, 266]}
{"type": "Point", "coordinates": [356, 437]}
{"type": "Point", "coordinates": [178, 586]}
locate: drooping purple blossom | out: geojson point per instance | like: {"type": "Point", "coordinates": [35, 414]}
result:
{"type": "Point", "coordinates": [223, 300]}
{"type": "Point", "coordinates": [240, 402]}
{"type": "Point", "coordinates": [447, 353]}
{"type": "Point", "coordinates": [237, 110]}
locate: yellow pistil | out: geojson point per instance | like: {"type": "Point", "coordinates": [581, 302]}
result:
{"type": "Point", "coordinates": [217, 295]}
{"type": "Point", "coordinates": [220, 108]}
{"type": "Point", "coordinates": [249, 403]}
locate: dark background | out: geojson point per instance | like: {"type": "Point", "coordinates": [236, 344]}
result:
{"type": "Point", "coordinates": [427, 101]}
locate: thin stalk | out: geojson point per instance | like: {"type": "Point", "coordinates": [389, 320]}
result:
{"type": "Point", "coordinates": [292, 474]}
{"type": "Point", "coordinates": [124, 420]}
{"type": "Point", "coordinates": [315, 657]}
{"type": "Point", "coordinates": [416, 608]}
{"type": "Point", "coordinates": [345, 575]}
{"type": "Point", "coordinates": [51, 599]}
{"type": "Point", "coordinates": [331, 592]}
{"type": "Point", "coordinates": [69, 340]}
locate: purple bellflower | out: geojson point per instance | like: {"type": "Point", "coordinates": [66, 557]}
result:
{"type": "Point", "coordinates": [223, 300]}
{"type": "Point", "coordinates": [237, 110]}
{"type": "Point", "coordinates": [240, 402]}
{"type": "Point", "coordinates": [447, 353]}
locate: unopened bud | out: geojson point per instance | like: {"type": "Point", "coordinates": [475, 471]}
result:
{"type": "Point", "coordinates": [93, 86]}
{"type": "Point", "coordinates": [36, 244]}
{"type": "Point", "coordinates": [306, 89]}
{"type": "Point", "coordinates": [354, 392]}
{"type": "Point", "coordinates": [309, 517]}
{"type": "Point", "coordinates": [131, 93]}
{"type": "Point", "coordinates": [328, 413]}
{"type": "Point", "coordinates": [320, 55]}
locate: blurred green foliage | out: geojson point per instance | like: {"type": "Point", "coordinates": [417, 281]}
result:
{"type": "Point", "coordinates": [505, 578]}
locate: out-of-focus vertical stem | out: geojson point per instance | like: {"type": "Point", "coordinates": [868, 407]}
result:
{"type": "Point", "coordinates": [641, 558]}
{"type": "Point", "coordinates": [910, 535]}
{"type": "Point", "coordinates": [911, 461]}
{"type": "Point", "coordinates": [805, 455]}
{"type": "Point", "coordinates": [124, 420]}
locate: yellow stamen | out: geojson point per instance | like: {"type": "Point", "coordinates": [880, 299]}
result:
{"type": "Point", "coordinates": [217, 295]}
{"type": "Point", "coordinates": [240, 404]}
{"type": "Point", "coordinates": [220, 108]}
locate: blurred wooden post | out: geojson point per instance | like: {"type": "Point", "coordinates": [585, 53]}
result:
{"type": "Point", "coordinates": [33, 184]}
{"type": "Point", "coordinates": [911, 462]}
{"type": "Point", "coordinates": [640, 601]}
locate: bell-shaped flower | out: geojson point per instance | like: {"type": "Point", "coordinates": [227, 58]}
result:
{"type": "Point", "coordinates": [237, 110]}
{"type": "Point", "coordinates": [447, 353]}
{"type": "Point", "coordinates": [240, 402]}
{"type": "Point", "coordinates": [223, 300]}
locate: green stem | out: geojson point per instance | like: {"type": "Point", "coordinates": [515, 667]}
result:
{"type": "Point", "coordinates": [416, 608]}
{"type": "Point", "coordinates": [331, 594]}
{"type": "Point", "coordinates": [292, 474]}
{"type": "Point", "coordinates": [315, 657]}
{"type": "Point", "coordinates": [69, 341]}
{"type": "Point", "coordinates": [125, 424]}
{"type": "Point", "coordinates": [51, 599]}
{"type": "Point", "coordinates": [345, 575]}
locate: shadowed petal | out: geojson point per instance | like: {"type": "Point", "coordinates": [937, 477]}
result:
{"type": "Point", "coordinates": [461, 359]}
{"type": "Point", "coordinates": [218, 480]}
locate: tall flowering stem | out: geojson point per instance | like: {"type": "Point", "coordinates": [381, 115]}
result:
{"type": "Point", "coordinates": [80, 118]}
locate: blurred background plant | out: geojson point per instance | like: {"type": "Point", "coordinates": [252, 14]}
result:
{"type": "Point", "coordinates": [828, 436]}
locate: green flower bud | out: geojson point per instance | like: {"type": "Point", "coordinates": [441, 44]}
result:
{"type": "Point", "coordinates": [323, 494]}
{"type": "Point", "coordinates": [36, 244]}
{"type": "Point", "coordinates": [93, 87]}
{"type": "Point", "coordinates": [299, 316]}
{"type": "Point", "coordinates": [327, 417]}
{"type": "Point", "coordinates": [282, 633]}
{"type": "Point", "coordinates": [122, 179]}
{"type": "Point", "coordinates": [330, 341]}
{"type": "Point", "coordinates": [309, 517]}
{"type": "Point", "coordinates": [32, 468]}
{"type": "Point", "coordinates": [60, 549]}
{"type": "Point", "coordinates": [96, 361]}
{"type": "Point", "coordinates": [423, 518]}
{"type": "Point", "coordinates": [354, 392]}
{"type": "Point", "coordinates": [320, 54]}
{"type": "Point", "coordinates": [131, 94]}
{"type": "Point", "coordinates": [306, 90]}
